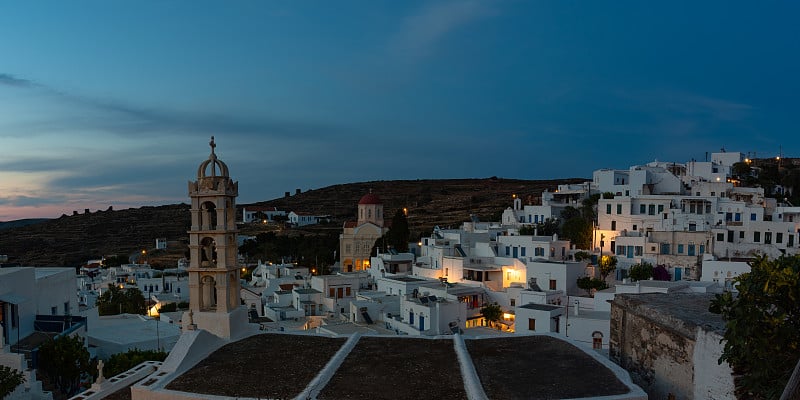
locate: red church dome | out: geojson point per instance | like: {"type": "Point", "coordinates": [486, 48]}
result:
{"type": "Point", "coordinates": [370, 198]}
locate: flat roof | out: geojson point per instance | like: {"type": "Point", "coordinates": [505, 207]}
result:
{"type": "Point", "coordinates": [548, 368]}
{"type": "Point", "coordinates": [541, 307]}
{"type": "Point", "coordinates": [306, 291]}
{"type": "Point", "coordinates": [405, 278]}
{"type": "Point", "coordinates": [682, 312]}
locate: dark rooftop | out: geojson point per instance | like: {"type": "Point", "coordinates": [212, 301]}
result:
{"type": "Point", "coordinates": [681, 311]}
{"type": "Point", "coordinates": [539, 367]}
{"type": "Point", "coordinates": [541, 307]}
{"type": "Point", "coordinates": [396, 370]}
{"type": "Point", "coordinates": [274, 365]}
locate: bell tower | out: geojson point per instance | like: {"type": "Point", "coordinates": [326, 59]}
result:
{"type": "Point", "coordinates": [214, 288]}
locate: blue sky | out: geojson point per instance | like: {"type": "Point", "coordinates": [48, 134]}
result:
{"type": "Point", "coordinates": [111, 103]}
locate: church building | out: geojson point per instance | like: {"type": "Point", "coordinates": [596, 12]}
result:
{"type": "Point", "coordinates": [358, 237]}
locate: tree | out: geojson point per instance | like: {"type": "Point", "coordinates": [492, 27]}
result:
{"type": "Point", "coordinates": [660, 273]}
{"type": "Point", "coordinates": [398, 234]}
{"type": "Point", "coordinates": [608, 264]}
{"type": "Point", "coordinates": [121, 362]}
{"type": "Point", "coordinates": [491, 312]}
{"type": "Point", "coordinates": [547, 228]}
{"type": "Point", "coordinates": [578, 231]}
{"type": "Point", "coordinates": [114, 261]}
{"type": "Point", "coordinates": [9, 380]}
{"type": "Point", "coordinates": [64, 360]}
{"type": "Point", "coordinates": [582, 255]}
{"type": "Point", "coordinates": [590, 285]}
{"type": "Point", "coordinates": [762, 324]}
{"type": "Point", "coordinates": [641, 272]}
{"type": "Point", "coordinates": [116, 300]}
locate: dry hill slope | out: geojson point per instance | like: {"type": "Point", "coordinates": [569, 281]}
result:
{"type": "Point", "coordinates": [71, 240]}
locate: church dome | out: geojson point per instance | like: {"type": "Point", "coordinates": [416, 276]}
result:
{"type": "Point", "coordinates": [370, 198]}
{"type": "Point", "coordinates": [215, 164]}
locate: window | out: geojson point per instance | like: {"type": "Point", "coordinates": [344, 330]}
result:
{"type": "Point", "coordinates": [757, 237]}
{"type": "Point", "coordinates": [331, 292]}
{"type": "Point", "coordinates": [347, 291]}
{"type": "Point", "coordinates": [664, 248]}
{"type": "Point", "coordinates": [651, 209]}
{"type": "Point", "coordinates": [720, 237]}
{"type": "Point", "coordinates": [637, 251]}
{"type": "Point", "coordinates": [702, 249]}
{"type": "Point", "coordinates": [613, 225]}
{"type": "Point", "coordinates": [691, 249]}
{"type": "Point", "coordinates": [513, 302]}
{"type": "Point", "coordinates": [608, 208]}
{"type": "Point", "coordinates": [660, 208]}
{"type": "Point", "coordinates": [66, 308]}
{"type": "Point", "coordinates": [446, 271]}
{"type": "Point", "coordinates": [552, 284]}
{"type": "Point", "coordinates": [767, 237]}
{"type": "Point", "coordinates": [680, 249]}
{"type": "Point", "coordinates": [737, 217]}
{"type": "Point", "coordinates": [411, 317]}
{"type": "Point", "coordinates": [713, 194]}
{"type": "Point", "coordinates": [642, 208]}
{"type": "Point", "coordinates": [522, 251]}
{"type": "Point", "coordinates": [634, 227]}
{"type": "Point", "coordinates": [752, 217]}
{"type": "Point", "coordinates": [730, 236]}
{"type": "Point", "coordinates": [619, 208]}
{"type": "Point", "coordinates": [53, 310]}
{"type": "Point", "coordinates": [597, 343]}
{"type": "Point", "coordinates": [508, 250]}
{"type": "Point", "coordinates": [692, 227]}
{"type": "Point", "coordinates": [531, 324]}
{"type": "Point", "coordinates": [790, 241]}
{"type": "Point", "coordinates": [741, 234]}
{"type": "Point", "coordinates": [779, 238]}
{"type": "Point", "coordinates": [697, 194]}
{"type": "Point", "coordinates": [14, 316]}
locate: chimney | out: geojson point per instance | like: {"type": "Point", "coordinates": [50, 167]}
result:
{"type": "Point", "coordinates": [297, 191]}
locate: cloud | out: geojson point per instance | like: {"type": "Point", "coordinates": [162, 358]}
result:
{"type": "Point", "coordinates": [84, 113]}
{"type": "Point", "coordinates": [11, 80]}
{"type": "Point", "coordinates": [421, 33]}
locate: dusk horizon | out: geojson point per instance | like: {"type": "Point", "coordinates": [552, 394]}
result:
{"type": "Point", "coordinates": [111, 104]}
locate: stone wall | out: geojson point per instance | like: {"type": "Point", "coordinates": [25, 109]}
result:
{"type": "Point", "coordinates": [658, 358]}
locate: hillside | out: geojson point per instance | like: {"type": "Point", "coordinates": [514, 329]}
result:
{"type": "Point", "coordinates": [71, 240]}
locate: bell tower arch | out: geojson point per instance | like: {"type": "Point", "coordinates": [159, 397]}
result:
{"type": "Point", "coordinates": [214, 286]}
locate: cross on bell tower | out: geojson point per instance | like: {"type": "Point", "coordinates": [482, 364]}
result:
{"type": "Point", "coordinates": [214, 288]}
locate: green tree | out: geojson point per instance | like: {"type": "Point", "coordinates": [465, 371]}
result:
{"type": "Point", "coordinates": [590, 285]}
{"type": "Point", "coordinates": [121, 362]}
{"type": "Point", "coordinates": [762, 322]}
{"type": "Point", "coordinates": [114, 261]}
{"type": "Point", "coordinates": [64, 361]}
{"type": "Point", "coordinates": [578, 231]}
{"type": "Point", "coordinates": [582, 255]}
{"type": "Point", "coordinates": [116, 300]}
{"type": "Point", "coordinates": [492, 313]}
{"type": "Point", "coordinates": [398, 233]}
{"type": "Point", "coordinates": [608, 264]}
{"type": "Point", "coordinates": [9, 380]}
{"type": "Point", "coordinates": [547, 228]}
{"type": "Point", "coordinates": [641, 272]}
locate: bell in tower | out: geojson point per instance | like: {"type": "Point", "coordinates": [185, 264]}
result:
{"type": "Point", "coordinates": [214, 288]}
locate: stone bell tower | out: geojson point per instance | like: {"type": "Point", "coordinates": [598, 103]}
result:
{"type": "Point", "coordinates": [214, 288]}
